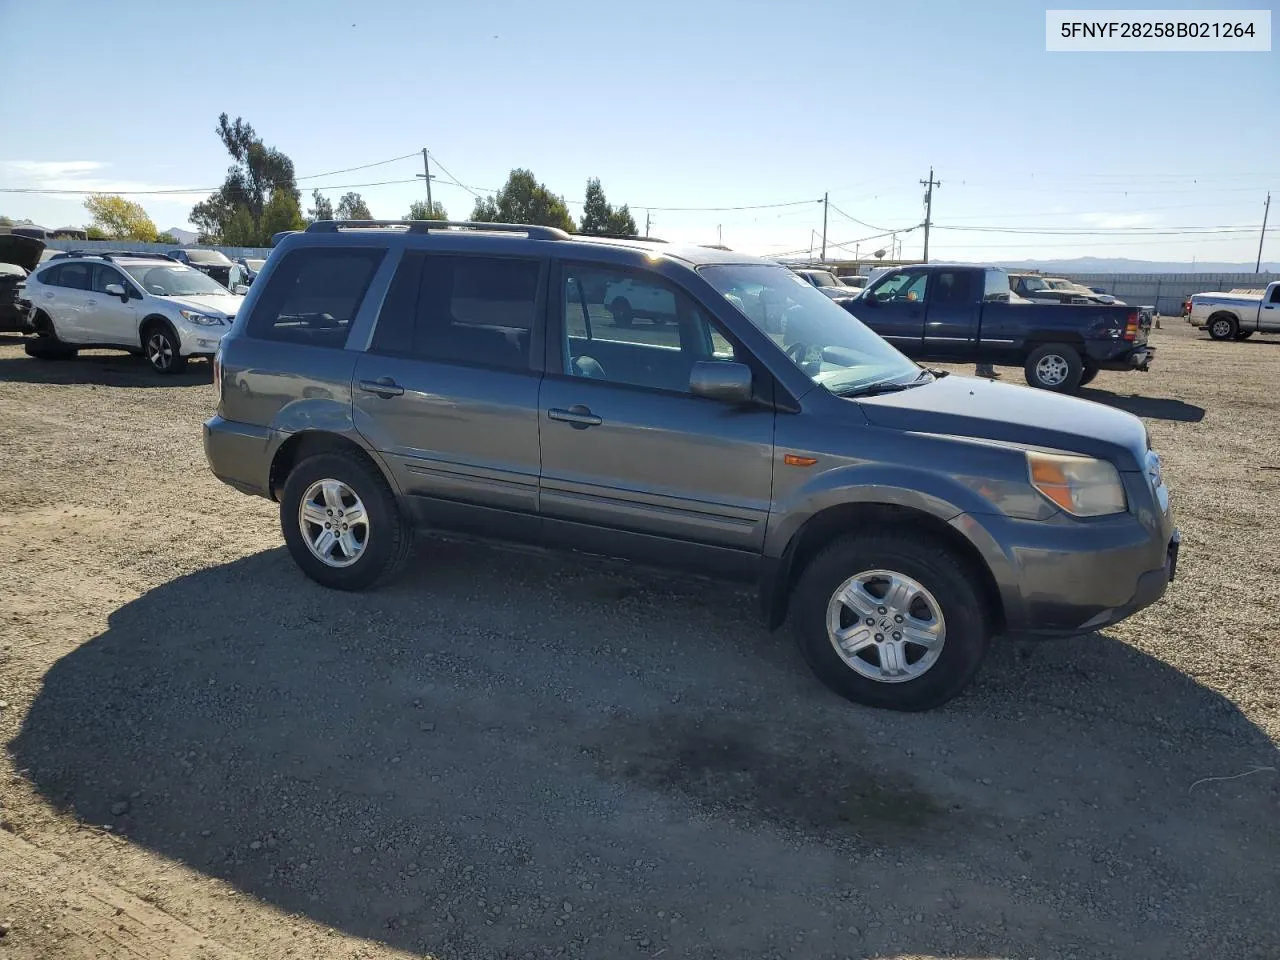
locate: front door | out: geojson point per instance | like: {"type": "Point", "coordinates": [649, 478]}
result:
{"type": "Point", "coordinates": [113, 320]}
{"type": "Point", "coordinates": [897, 313]}
{"type": "Point", "coordinates": [1269, 313]}
{"type": "Point", "coordinates": [632, 463]}
{"type": "Point", "coordinates": [448, 392]}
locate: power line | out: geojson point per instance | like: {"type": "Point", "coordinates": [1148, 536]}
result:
{"type": "Point", "coordinates": [365, 166]}
{"type": "Point", "coordinates": [456, 181]}
{"type": "Point", "coordinates": [869, 226]}
{"type": "Point", "coordinates": [1152, 231]}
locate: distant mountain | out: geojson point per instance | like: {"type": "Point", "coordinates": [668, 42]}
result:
{"type": "Point", "coordinates": [182, 236]}
{"type": "Point", "coordinates": [1125, 265]}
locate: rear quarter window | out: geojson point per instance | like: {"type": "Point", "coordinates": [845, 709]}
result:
{"type": "Point", "coordinates": [314, 295]}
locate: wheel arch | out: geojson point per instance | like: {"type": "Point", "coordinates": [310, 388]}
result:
{"type": "Point", "coordinates": [296, 447]}
{"type": "Point", "coordinates": [154, 319]}
{"type": "Point", "coordinates": [781, 574]}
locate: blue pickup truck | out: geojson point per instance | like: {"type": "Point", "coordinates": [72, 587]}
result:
{"type": "Point", "coordinates": [967, 313]}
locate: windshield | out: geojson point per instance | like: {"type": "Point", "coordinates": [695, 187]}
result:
{"type": "Point", "coordinates": [1034, 283]}
{"type": "Point", "coordinates": [207, 258]}
{"type": "Point", "coordinates": [820, 278]}
{"type": "Point", "coordinates": [173, 280]}
{"type": "Point", "coordinates": [820, 337]}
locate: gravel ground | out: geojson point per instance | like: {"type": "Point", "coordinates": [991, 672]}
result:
{"type": "Point", "coordinates": [507, 754]}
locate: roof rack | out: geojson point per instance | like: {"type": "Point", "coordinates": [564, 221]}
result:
{"type": "Point", "coordinates": [532, 231]}
{"type": "Point", "coordinates": [109, 254]}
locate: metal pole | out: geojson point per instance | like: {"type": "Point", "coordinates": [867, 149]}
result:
{"type": "Point", "coordinates": [824, 226]}
{"type": "Point", "coordinates": [928, 209]}
{"type": "Point", "coordinates": [1257, 267]}
{"type": "Point", "coordinates": [426, 173]}
{"type": "Point", "coordinates": [646, 223]}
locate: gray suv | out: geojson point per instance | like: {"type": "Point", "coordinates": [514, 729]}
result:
{"type": "Point", "coordinates": [387, 377]}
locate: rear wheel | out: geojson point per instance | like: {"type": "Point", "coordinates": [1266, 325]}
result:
{"type": "Point", "coordinates": [1054, 366]}
{"type": "Point", "coordinates": [46, 345]}
{"type": "Point", "coordinates": [1223, 327]}
{"type": "Point", "coordinates": [891, 620]}
{"type": "Point", "coordinates": [342, 523]}
{"type": "Point", "coordinates": [1090, 371]}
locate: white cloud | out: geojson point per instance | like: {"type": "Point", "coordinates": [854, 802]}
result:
{"type": "Point", "coordinates": [90, 176]}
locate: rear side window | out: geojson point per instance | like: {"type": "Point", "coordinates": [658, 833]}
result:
{"type": "Point", "coordinates": [476, 310]}
{"type": "Point", "coordinates": [997, 287]}
{"type": "Point", "coordinates": [314, 296]}
{"type": "Point", "coordinates": [52, 276]}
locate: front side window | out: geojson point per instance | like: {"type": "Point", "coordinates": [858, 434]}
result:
{"type": "Point", "coordinates": [633, 328]}
{"type": "Point", "coordinates": [173, 280]}
{"type": "Point", "coordinates": [819, 336]}
{"type": "Point", "coordinates": [1275, 295]}
{"type": "Point", "coordinates": [474, 310]}
{"type": "Point", "coordinates": [901, 286]}
{"type": "Point", "coordinates": [102, 276]}
{"type": "Point", "coordinates": [314, 295]}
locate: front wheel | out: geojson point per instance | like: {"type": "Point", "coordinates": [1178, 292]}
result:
{"type": "Point", "coordinates": [891, 620]}
{"type": "Point", "coordinates": [161, 348]}
{"type": "Point", "coordinates": [341, 522]}
{"type": "Point", "coordinates": [1054, 366]}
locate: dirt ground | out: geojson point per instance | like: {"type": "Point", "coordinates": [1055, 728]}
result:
{"type": "Point", "coordinates": [510, 755]}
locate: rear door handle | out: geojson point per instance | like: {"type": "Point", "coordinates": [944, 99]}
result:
{"type": "Point", "coordinates": [577, 416]}
{"type": "Point", "coordinates": [384, 387]}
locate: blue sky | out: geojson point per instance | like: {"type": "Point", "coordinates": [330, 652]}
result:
{"type": "Point", "coordinates": [691, 104]}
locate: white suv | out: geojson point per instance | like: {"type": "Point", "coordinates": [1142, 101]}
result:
{"type": "Point", "coordinates": [138, 302]}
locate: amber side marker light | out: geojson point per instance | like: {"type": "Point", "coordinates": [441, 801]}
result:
{"type": "Point", "coordinates": [791, 460]}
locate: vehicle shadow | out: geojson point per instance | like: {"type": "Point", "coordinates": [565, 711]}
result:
{"type": "Point", "coordinates": [104, 370]}
{"type": "Point", "coordinates": [1156, 408]}
{"type": "Point", "coordinates": [496, 758]}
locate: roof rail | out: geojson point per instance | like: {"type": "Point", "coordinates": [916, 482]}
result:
{"type": "Point", "coordinates": [109, 254]}
{"type": "Point", "coordinates": [531, 230]}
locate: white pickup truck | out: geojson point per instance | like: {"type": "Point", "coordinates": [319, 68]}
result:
{"type": "Point", "coordinates": [1237, 316]}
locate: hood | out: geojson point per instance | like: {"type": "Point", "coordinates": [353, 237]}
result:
{"type": "Point", "coordinates": [984, 410]}
{"type": "Point", "coordinates": [24, 251]}
{"type": "Point", "coordinates": [223, 306]}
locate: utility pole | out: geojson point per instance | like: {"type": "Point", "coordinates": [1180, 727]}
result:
{"type": "Point", "coordinates": [647, 220]}
{"type": "Point", "coordinates": [1257, 267]}
{"type": "Point", "coordinates": [825, 204]}
{"type": "Point", "coordinates": [928, 209]}
{"type": "Point", "coordinates": [720, 234]}
{"type": "Point", "coordinates": [426, 175]}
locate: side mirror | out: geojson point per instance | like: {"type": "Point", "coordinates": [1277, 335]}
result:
{"type": "Point", "coordinates": [869, 298]}
{"type": "Point", "coordinates": [721, 380]}
{"type": "Point", "coordinates": [241, 289]}
{"type": "Point", "coordinates": [115, 290]}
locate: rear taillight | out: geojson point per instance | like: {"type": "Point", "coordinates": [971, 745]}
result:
{"type": "Point", "coordinates": [1131, 327]}
{"type": "Point", "coordinates": [217, 373]}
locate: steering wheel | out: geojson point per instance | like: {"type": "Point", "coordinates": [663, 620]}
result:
{"type": "Point", "coordinates": [797, 352]}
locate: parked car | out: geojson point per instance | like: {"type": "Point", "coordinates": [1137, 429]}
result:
{"type": "Point", "coordinates": [857, 282]}
{"type": "Point", "coordinates": [965, 313]}
{"type": "Point", "coordinates": [19, 255]}
{"type": "Point", "coordinates": [826, 283]}
{"type": "Point", "coordinates": [1237, 316]}
{"type": "Point", "coordinates": [438, 375]}
{"type": "Point", "coordinates": [216, 264]}
{"type": "Point", "coordinates": [252, 267]}
{"type": "Point", "coordinates": [625, 301]}
{"type": "Point", "coordinates": [144, 304]}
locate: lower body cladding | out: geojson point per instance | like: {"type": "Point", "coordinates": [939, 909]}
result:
{"type": "Point", "coordinates": [1076, 576]}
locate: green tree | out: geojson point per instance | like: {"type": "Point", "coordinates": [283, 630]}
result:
{"type": "Point", "coordinates": [321, 207]}
{"type": "Point", "coordinates": [5, 222]}
{"type": "Point", "coordinates": [282, 213]}
{"type": "Point", "coordinates": [95, 233]}
{"type": "Point", "coordinates": [119, 218]}
{"type": "Point", "coordinates": [238, 231]}
{"type": "Point", "coordinates": [259, 172]}
{"type": "Point", "coordinates": [351, 206]}
{"type": "Point", "coordinates": [418, 210]}
{"type": "Point", "coordinates": [166, 238]}
{"type": "Point", "coordinates": [524, 200]}
{"type": "Point", "coordinates": [600, 217]}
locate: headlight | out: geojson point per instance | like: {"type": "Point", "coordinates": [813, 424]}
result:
{"type": "Point", "coordinates": [200, 319]}
{"type": "Point", "coordinates": [1081, 486]}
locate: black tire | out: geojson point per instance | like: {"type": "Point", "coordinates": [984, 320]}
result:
{"type": "Point", "coordinates": [46, 345]}
{"type": "Point", "coordinates": [1244, 334]}
{"type": "Point", "coordinates": [160, 345]}
{"type": "Point", "coordinates": [389, 539]}
{"type": "Point", "coordinates": [1090, 371]}
{"type": "Point", "coordinates": [1054, 356]}
{"type": "Point", "coordinates": [623, 315]}
{"type": "Point", "coordinates": [1222, 327]}
{"type": "Point", "coordinates": [931, 564]}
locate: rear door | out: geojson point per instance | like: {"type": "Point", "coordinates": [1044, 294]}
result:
{"type": "Point", "coordinates": [897, 312]}
{"type": "Point", "coordinates": [113, 320]}
{"type": "Point", "coordinates": [448, 390]}
{"type": "Point", "coordinates": [632, 463]}
{"type": "Point", "coordinates": [952, 310]}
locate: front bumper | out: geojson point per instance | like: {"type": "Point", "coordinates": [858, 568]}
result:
{"type": "Point", "coordinates": [1073, 577]}
{"type": "Point", "coordinates": [200, 341]}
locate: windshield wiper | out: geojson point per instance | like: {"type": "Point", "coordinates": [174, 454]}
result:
{"type": "Point", "coordinates": [887, 386]}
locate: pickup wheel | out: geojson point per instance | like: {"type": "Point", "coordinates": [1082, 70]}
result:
{"type": "Point", "coordinates": [341, 522]}
{"type": "Point", "coordinates": [1090, 371]}
{"type": "Point", "coordinates": [1223, 326]}
{"type": "Point", "coordinates": [1054, 366]}
{"type": "Point", "coordinates": [891, 619]}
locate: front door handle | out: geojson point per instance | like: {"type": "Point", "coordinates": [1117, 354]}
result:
{"type": "Point", "coordinates": [93, 303]}
{"type": "Point", "coordinates": [577, 416]}
{"type": "Point", "coordinates": [384, 387]}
